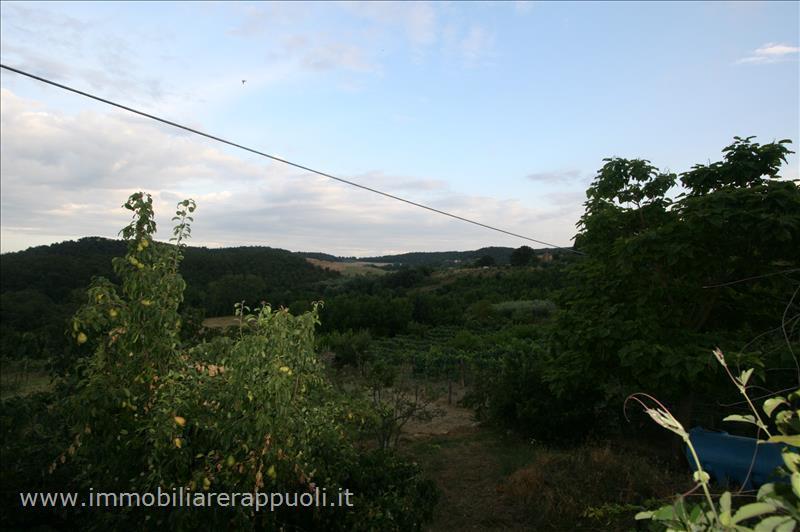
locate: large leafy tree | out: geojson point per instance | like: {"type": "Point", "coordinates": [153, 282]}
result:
{"type": "Point", "coordinates": [665, 280]}
{"type": "Point", "coordinates": [522, 256]}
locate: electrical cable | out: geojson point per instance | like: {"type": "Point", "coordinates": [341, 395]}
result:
{"type": "Point", "coordinates": [284, 161]}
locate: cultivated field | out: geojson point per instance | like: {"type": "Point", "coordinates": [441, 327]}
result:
{"type": "Point", "coordinates": [350, 269]}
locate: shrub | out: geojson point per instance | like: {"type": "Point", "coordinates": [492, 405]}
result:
{"type": "Point", "coordinates": [525, 310]}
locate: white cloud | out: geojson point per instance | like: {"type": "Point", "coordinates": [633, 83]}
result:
{"type": "Point", "coordinates": [472, 47]}
{"type": "Point", "coordinates": [771, 53]}
{"type": "Point", "coordinates": [380, 180]}
{"type": "Point", "coordinates": [417, 20]}
{"type": "Point", "coordinates": [88, 53]}
{"type": "Point", "coordinates": [65, 175]}
{"type": "Point", "coordinates": [334, 55]}
{"type": "Point", "coordinates": [476, 46]}
{"type": "Point", "coordinates": [264, 17]}
{"type": "Point", "coordinates": [523, 6]}
{"type": "Point", "coordinates": [557, 176]}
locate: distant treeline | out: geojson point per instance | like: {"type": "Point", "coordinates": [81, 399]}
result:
{"type": "Point", "coordinates": [492, 255]}
{"type": "Point", "coordinates": [42, 287]}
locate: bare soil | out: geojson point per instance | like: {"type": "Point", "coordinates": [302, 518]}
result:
{"type": "Point", "coordinates": [448, 418]}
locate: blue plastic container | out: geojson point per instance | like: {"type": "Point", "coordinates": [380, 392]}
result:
{"type": "Point", "coordinates": [728, 458]}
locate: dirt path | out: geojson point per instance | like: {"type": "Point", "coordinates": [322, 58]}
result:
{"type": "Point", "coordinates": [486, 476]}
{"type": "Point", "coordinates": [448, 418]}
{"type": "Point", "coordinates": [469, 464]}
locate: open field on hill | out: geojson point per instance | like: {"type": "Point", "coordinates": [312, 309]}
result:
{"type": "Point", "coordinates": [350, 269]}
{"type": "Point", "coordinates": [19, 378]}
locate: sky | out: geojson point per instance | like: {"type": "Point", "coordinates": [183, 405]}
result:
{"type": "Point", "coordinates": [500, 112]}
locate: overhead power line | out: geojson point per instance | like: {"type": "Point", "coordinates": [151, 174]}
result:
{"type": "Point", "coordinates": [784, 272]}
{"type": "Point", "coordinates": [280, 160]}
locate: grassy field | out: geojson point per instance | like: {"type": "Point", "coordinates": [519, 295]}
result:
{"type": "Point", "coordinates": [18, 377]}
{"type": "Point", "coordinates": [350, 269]}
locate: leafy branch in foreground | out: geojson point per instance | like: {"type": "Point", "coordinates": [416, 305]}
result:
{"type": "Point", "coordinates": [777, 506]}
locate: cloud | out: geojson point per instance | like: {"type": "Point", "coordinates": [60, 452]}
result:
{"type": "Point", "coordinates": [380, 180]}
{"type": "Point", "coordinates": [283, 30]}
{"type": "Point", "coordinates": [523, 6]}
{"type": "Point", "coordinates": [568, 198]}
{"type": "Point", "coordinates": [559, 176]}
{"type": "Point", "coordinates": [417, 20]}
{"type": "Point", "coordinates": [88, 54]}
{"type": "Point", "coordinates": [64, 176]}
{"type": "Point", "coordinates": [359, 43]}
{"type": "Point", "coordinates": [334, 55]}
{"type": "Point", "coordinates": [64, 31]}
{"type": "Point", "coordinates": [476, 46]}
{"type": "Point", "coordinates": [771, 53]}
{"type": "Point", "coordinates": [264, 18]}
{"type": "Point", "coordinates": [473, 47]}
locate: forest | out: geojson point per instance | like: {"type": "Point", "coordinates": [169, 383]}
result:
{"type": "Point", "coordinates": [576, 371]}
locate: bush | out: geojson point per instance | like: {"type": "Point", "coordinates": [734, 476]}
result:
{"type": "Point", "coordinates": [512, 390]}
{"type": "Point", "coordinates": [351, 348]}
{"type": "Point", "coordinates": [525, 310]}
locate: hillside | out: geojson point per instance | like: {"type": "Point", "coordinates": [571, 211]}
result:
{"type": "Point", "coordinates": [57, 269]}
{"type": "Point", "coordinates": [443, 258]}
{"type": "Point", "coordinates": [500, 256]}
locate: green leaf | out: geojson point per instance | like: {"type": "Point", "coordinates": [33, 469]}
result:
{"type": "Point", "coordinates": [783, 417]}
{"type": "Point", "coordinates": [792, 461]}
{"type": "Point", "coordinates": [771, 404]}
{"type": "Point", "coordinates": [791, 440]}
{"type": "Point", "coordinates": [771, 524]}
{"type": "Point", "coordinates": [724, 507]}
{"type": "Point", "coordinates": [752, 510]}
{"type": "Point", "coordinates": [765, 491]}
{"type": "Point", "coordinates": [665, 513]}
{"type": "Point", "coordinates": [744, 419]}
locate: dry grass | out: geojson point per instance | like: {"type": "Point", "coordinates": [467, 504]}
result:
{"type": "Point", "coordinates": [449, 418]}
{"type": "Point", "coordinates": [496, 481]}
{"type": "Point", "coordinates": [221, 322]}
{"type": "Point", "coordinates": [350, 269]}
{"type": "Point", "coordinates": [559, 486]}
{"type": "Point", "coordinates": [467, 466]}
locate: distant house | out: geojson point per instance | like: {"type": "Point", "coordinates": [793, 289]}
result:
{"type": "Point", "coordinates": [546, 257]}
